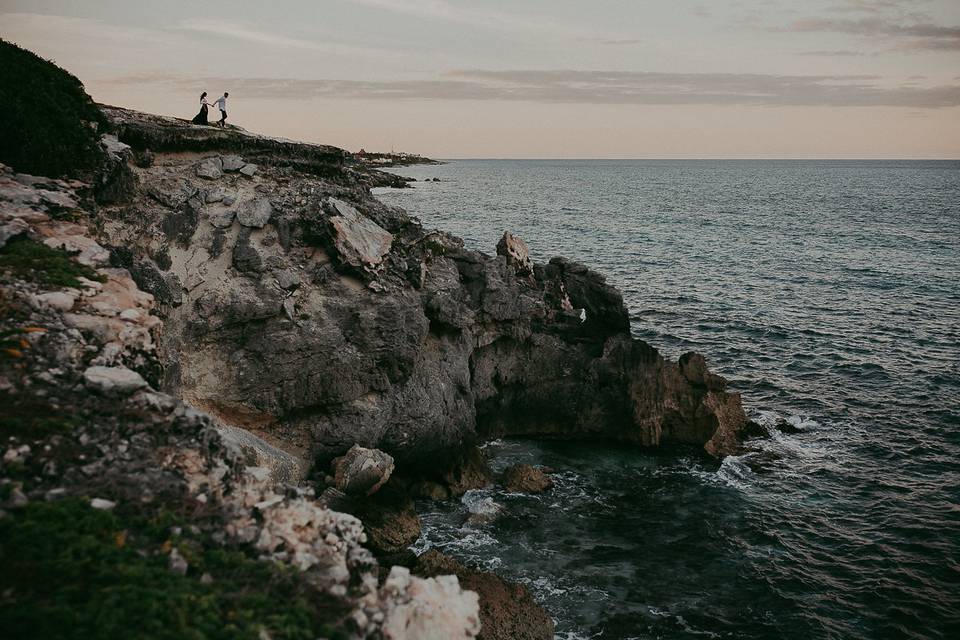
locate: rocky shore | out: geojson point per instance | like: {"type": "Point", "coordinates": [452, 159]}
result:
{"type": "Point", "coordinates": [222, 342]}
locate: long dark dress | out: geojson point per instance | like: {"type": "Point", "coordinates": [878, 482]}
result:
{"type": "Point", "coordinates": [201, 118]}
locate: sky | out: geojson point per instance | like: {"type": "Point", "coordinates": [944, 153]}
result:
{"type": "Point", "coordinates": [531, 78]}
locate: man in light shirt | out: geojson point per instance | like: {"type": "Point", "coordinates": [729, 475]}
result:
{"type": "Point", "coordinates": [222, 105]}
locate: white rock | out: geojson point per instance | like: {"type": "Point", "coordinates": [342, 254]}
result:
{"type": "Point", "coordinates": [432, 609]}
{"type": "Point", "coordinates": [119, 380]}
{"type": "Point", "coordinates": [102, 504]}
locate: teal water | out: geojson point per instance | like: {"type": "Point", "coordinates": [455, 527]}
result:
{"type": "Point", "coordinates": [828, 292]}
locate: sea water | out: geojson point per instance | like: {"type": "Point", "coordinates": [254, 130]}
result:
{"type": "Point", "coordinates": [828, 293]}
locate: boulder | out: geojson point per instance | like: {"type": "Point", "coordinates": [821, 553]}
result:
{"type": "Point", "coordinates": [508, 611]}
{"type": "Point", "coordinates": [255, 213]}
{"type": "Point", "coordinates": [523, 478]}
{"type": "Point", "coordinates": [427, 609]}
{"type": "Point", "coordinates": [210, 169]}
{"type": "Point", "coordinates": [361, 470]}
{"type": "Point", "coordinates": [517, 254]}
{"type": "Point", "coordinates": [113, 380]}
{"type": "Point", "coordinates": [232, 163]}
{"type": "Point", "coordinates": [359, 241]}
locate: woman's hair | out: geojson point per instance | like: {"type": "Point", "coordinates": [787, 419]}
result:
{"type": "Point", "coordinates": [203, 95]}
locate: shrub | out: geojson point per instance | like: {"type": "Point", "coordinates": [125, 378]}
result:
{"type": "Point", "coordinates": [48, 124]}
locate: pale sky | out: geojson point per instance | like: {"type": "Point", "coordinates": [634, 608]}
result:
{"type": "Point", "coordinates": [531, 78]}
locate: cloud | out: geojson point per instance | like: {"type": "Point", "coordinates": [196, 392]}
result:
{"type": "Point", "coordinates": [253, 35]}
{"type": "Point", "coordinates": [479, 17]}
{"type": "Point", "coordinates": [913, 34]}
{"type": "Point", "coordinates": [606, 87]}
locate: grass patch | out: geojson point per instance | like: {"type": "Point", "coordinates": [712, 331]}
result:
{"type": "Point", "coordinates": [48, 267]}
{"type": "Point", "coordinates": [28, 419]}
{"type": "Point", "coordinates": [73, 572]}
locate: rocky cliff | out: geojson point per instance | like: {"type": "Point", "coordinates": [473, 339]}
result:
{"type": "Point", "coordinates": [188, 340]}
{"type": "Point", "coordinates": [301, 309]}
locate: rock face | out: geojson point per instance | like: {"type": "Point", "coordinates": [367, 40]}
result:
{"type": "Point", "coordinates": [516, 252]}
{"type": "Point", "coordinates": [128, 449]}
{"type": "Point", "coordinates": [507, 611]}
{"type": "Point", "coordinates": [326, 319]}
{"type": "Point", "coordinates": [361, 470]}
{"type": "Point", "coordinates": [523, 478]}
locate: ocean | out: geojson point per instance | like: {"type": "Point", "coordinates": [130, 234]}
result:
{"type": "Point", "coordinates": [828, 293]}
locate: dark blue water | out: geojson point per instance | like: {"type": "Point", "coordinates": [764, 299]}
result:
{"type": "Point", "coordinates": [829, 294]}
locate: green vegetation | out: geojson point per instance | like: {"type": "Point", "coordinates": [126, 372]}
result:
{"type": "Point", "coordinates": [73, 572]}
{"type": "Point", "coordinates": [48, 267]}
{"type": "Point", "coordinates": [49, 122]}
{"type": "Point", "coordinates": [27, 419]}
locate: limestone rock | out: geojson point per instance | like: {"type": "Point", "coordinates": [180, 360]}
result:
{"type": "Point", "coordinates": [523, 478]}
{"type": "Point", "coordinates": [507, 611]}
{"type": "Point", "coordinates": [361, 470]}
{"type": "Point", "coordinates": [428, 609]}
{"type": "Point", "coordinates": [517, 254]}
{"type": "Point", "coordinates": [255, 213]}
{"type": "Point", "coordinates": [113, 380]}
{"type": "Point", "coordinates": [211, 168]}
{"type": "Point", "coordinates": [359, 241]}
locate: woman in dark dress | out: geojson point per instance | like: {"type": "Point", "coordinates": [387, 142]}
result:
{"type": "Point", "coordinates": [201, 118]}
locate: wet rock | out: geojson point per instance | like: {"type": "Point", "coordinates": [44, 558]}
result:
{"type": "Point", "coordinates": [694, 369]}
{"type": "Point", "coordinates": [523, 478]}
{"type": "Point", "coordinates": [469, 470]}
{"type": "Point", "coordinates": [255, 213]}
{"type": "Point", "coordinates": [508, 611]}
{"type": "Point", "coordinates": [517, 254]}
{"type": "Point", "coordinates": [359, 241]}
{"type": "Point", "coordinates": [113, 380]}
{"type": "Point", "coordinates": [362, 470]}
{"type": "Point", "coordinates": [211, 168]}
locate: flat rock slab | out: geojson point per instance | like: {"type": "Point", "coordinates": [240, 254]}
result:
{"type": "Point", "coordinates": [211, 169]}
{"type": "Point", "coordinates": [113, 380]}
{"type": "Point", "coordinates": [361, 242]}
{"type": "Point", "coordinates": [255, 213]}
{"type": "Point", "coordinates": [248, 169]}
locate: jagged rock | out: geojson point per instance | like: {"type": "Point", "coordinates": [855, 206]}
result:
{"type": "Point", "coordinates": [113, 380]}
{"type": "Point", "coordinates": [359, 241]}
{"type": "Point", "coordinates": [255, 213]}
{"type": "Point", "coordinates": [361, 470]}
{"type": "Point", "coordinates": [694, 368]}
{"type": "Point", "coordinates": [523, 478]}
{"type": "Point", "coordinates": [432, 609]}
{"type": "Point", "coordinates": [119, 151]}
{"type": "Point", "coordinates": [211, 168]}
{"type": "Point", "coordinates": [517, 254]}
{"type": "Point", "coordinates": [245, 256]}
{"type": "Point", "coordinates": [232, 163]}
{"type": "Point", "coordinates": [507, 611]}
